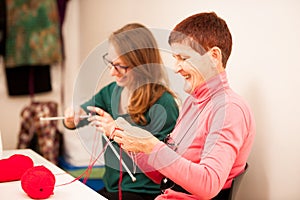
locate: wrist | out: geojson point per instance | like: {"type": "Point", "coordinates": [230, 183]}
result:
{"type": "Point", "coordinates": [112, 132]}
{"type": "Point", "coordinates": [150, 144]}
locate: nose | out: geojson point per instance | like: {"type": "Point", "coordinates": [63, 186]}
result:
{"type": "Point", "coordinates": [113, 71]}
{"type": "Point", "coordinates": [177, 66]}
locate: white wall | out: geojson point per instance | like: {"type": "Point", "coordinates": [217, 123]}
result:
{"type": "Point", "coordinates": [263, 68]}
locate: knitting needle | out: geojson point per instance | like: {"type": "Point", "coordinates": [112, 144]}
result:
{"type": "Point", "coordinates": [61, 117]}
{"type": "Point", "coordinates": [118, 156]}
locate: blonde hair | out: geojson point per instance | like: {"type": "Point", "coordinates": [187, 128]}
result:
{"type": "Point", "coordinates": [138, 50]}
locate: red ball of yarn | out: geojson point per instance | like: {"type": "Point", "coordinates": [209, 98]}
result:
{"type": "Point", "coordinates": [38, 182]}
{"type": "Point", "coordinates": [12, 168]}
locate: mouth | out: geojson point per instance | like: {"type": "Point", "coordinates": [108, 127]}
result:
{"type": "Point", "coordinates": [187, 76]}
{"type": "Point", "coordinates": [120, 78]}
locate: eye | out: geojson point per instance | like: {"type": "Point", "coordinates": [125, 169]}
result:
{"type": "Point", "coordinates": [180, 57]}
{"type": "Point", "coordinates": [184, 58]}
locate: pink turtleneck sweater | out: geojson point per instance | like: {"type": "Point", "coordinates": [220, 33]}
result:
{"type": "Point", "coordinates": [214, 133]}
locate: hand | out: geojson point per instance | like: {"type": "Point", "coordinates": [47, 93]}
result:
{"type": "Point", "coordinates": [103, 121]}
{"type": "Point", "coordinates": [135, 144]}
{"type": "Point", "coordinates": [72, 116]}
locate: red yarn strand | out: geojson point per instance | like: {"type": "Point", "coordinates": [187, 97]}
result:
{"type": "Point", "coordinates": [121, 175]}
{"type": "Point", "coordinates": [92, 162]}
{"type": "Point", "coordinates": [87, 172]}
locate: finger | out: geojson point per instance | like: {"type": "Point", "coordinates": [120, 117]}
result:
{"type": "Point", "coordinates": [76, 118]}
{"type": "Point", "coordinates": [91, 108]}
{"type": "Point", "coordinates": [76, 115]}
{"type": "Point", "coordinates": [117, 139]}
{"type": "Point", "coordinates": [69, 117]}
{"type": "Point", "coordinates": [119, 133]}
{"type": "Point", "coordinates": [69, 113]}
{"type": "Point", "coordinates": [100, 129]}
{"type": "Point", "coordinates": [97, 110]}
{"type": "Point", "coordinates": [95, 118]}
{"type": "Point", "coordinates": [96, 123]}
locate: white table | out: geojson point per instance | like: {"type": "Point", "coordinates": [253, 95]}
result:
{"type": "Point", "coordinates": [76, 190]}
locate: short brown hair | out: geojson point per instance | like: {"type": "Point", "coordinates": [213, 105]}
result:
{"type": "Point", "coordinates": [202, 32]}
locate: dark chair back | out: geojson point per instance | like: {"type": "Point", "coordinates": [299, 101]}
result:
{"type": "Point", "coordinates": [236, 183]}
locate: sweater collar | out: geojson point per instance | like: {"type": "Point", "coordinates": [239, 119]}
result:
{"type": "Point", "coordinates": [210, 87]}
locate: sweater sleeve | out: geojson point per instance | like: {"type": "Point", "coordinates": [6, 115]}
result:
{"type": "Point", "coordinates": [206, 178]}
{"type": "Point", "coordinates": [163, 115]}
{"type": "Point", "coordinates": [102, 99]}
{"type": "Point", "coordinates": [150, 171]}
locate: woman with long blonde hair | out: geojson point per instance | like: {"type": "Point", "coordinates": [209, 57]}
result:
{"type": "Point", "coordinates": [140, 94]}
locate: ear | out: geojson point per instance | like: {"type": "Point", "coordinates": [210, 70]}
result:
{"type": "Point", "coordinates": [216, 55]}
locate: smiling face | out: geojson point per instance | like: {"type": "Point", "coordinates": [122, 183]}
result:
{"type": "Point", "coordinates": [123, 78]}
{"type": "Point", "coordinates": [194, 68]}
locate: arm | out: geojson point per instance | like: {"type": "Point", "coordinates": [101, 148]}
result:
{"type": "Point", "coordinates": [217, 158]}
{"type": "Point", "coordinates": [150, 171]}
{"type": "Point", "coordinates": [227, 132]}
{"type": "Point", "coordinates": [101, 100]}
{"type": "Point", "coordinates": [134, 133]}
{"type": "Point", "coordinates": [163, 116]}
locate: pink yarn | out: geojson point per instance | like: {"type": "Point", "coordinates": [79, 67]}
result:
{"type": "Point", "coordinates": [38, 182]}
